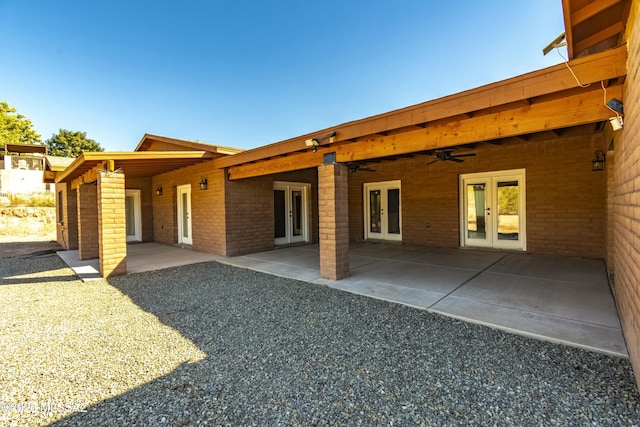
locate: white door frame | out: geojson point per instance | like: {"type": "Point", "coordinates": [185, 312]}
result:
{"type": "Point", "coordinates": [288, 188]}
{"type": "Point", "coordinates": [184, 238]}
{"type": "Point", "coordinates": [137, 216]}
{"type": "Point", "coordinates": [491, 179]}
{"type": "Point", "coordinates": [382, 186]}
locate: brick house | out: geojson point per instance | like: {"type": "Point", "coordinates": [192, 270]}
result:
{"type": "Point", "coordinates": [531, 163]}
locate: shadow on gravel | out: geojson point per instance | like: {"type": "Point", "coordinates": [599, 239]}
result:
{"type": "Point", "coordinates": [282, 352]}
{"type": "Point", "coordinates": [19, 263]}
{"type": "Point", "coordinates": [13, 249]}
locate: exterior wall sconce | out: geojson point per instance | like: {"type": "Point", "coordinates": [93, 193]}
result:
{"type": "Point", "coordinates": [204, 184]}
{"type": "Point", "coordinates": [159, 190]}
{"type": "Point", "coordinates": [597, 164]}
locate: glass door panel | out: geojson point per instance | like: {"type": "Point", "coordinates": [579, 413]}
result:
{"type": "Point", "coordinates": [476, 208]}
{"type": "Point", "coordinates": [375, 211]}
{"type": "Point", "coordinates": [508, 210]}
{"type": "Point", "coordinates": [129, 213]}
{"type": "Point", "coordinates": [296, 212]}
{"type": "Point", "coordinates": [132, 212]}
{"type": "Point", "coordinates": [279, 214]}
{"type": "Point", "coordinates": [393, 211]}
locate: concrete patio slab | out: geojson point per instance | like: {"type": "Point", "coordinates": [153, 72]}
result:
{"type": "Point", "coordinates": [432, 278]}
{"type": "Point", "coordinates": [574, 269]}
{"type": "Point", "coordinates": [587, 335]}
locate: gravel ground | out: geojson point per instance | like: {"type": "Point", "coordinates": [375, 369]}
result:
{"type": "Point", "coordinates": [211, 344]}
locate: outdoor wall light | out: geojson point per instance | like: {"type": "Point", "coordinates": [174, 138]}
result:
{"type": "Point", "coordinates": [597, 164]}
{"type": "Point", "coordinates": [204, 184]}
{"type": "Point", "coordinates": [617, 107]}
{"type": "Point", "coordinates": [159, 190]}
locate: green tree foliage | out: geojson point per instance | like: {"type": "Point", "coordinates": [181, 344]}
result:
{"type": "Point", "coordinates": [16, 128]}
{"type": "Point", "coordinates": [508, 200]}
{"type": "Point", "coordinates": [71, 144]}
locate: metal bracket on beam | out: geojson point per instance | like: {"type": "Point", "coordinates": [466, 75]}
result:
{"type": "Point", "coordinates": [329, 158]}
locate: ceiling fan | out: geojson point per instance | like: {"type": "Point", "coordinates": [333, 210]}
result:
{"type": "Point", "coordinates": [446, 154]}
{"type": "Point", "coordinates": [355, 167]}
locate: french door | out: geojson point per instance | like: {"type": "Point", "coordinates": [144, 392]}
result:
{"type": "Point", "coordinates": [492, 209]}
{"type": "Point", "coordinates": [382, 211]}
{"type": "Point", "coordinates": [290, 212]}
{"type": "Point", "coordinates": [184, 215]}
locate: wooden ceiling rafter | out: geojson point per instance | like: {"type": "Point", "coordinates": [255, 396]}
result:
{"type": "Point", "coordinates": [590, 10]}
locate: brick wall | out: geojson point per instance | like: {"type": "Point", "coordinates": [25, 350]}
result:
{"type": "Point", "coordinates": [565, 200]}
{"type": "Point", "coordinates": [146, 204]}
{"type": "Point", "coordinates": [111, 224]}
{"type": "Point", "coordinates": [88, 246]}
{"type": "Point", "coordinates": [627, 201]}
{"type": "Point", "coordinates": [249, 205]}
{"type": "Point", "coordinates": [207, 207]}
{"type": "Point", "coordinates": [333, 206]}
{"type": "Point", "coordinates": [67, 224]}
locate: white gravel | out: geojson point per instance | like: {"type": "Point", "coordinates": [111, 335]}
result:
{"type": "Point", "coordinates": [210, 344]}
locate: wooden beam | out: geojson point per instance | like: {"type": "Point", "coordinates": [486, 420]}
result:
{"type": "Point", "coordinates": [590, 10]}
{"type": "Point", "coordinates": [598, 37]}
{"type": "Point", "coordinates": [573, 110]}
{"type": "Point", "coordinates": [589, 69]}
{"type": "Point", "coordinates": [86, 178]}
{"type": "Point", "coordinates": [296, 161]}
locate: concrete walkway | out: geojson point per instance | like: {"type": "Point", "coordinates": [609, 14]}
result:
{"type": "Point", "coordinates": [559, 299]}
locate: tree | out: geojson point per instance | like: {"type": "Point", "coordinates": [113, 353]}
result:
{"type": "Point", "coordinates": [71, 144]}
{"type": "Point", "coordinates": [16, 128]}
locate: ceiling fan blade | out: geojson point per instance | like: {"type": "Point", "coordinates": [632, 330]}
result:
{"type": "Point", "coordinates": [454, 159]}
{"type": "Point", "coordinates": [433, 161]}
{"type": "Point", "coordinates": [464, 155]}
{"type": "Point", "coordinates": [367, 169]}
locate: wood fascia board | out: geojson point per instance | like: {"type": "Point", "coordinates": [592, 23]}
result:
{"type": "Point", "coordinates": [589, 69]}
{"type": "Point", "coordinates": [573, 110]}
{"type": "Point", "coordinates": [49, 176]}
{"type": "Point", "coordinates": [97, 157]}
{"type": "Point", "coordinates": [194, 145]}
{"type": "Point", "coordinates": [568, 29]}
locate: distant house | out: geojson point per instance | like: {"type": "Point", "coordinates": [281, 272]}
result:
{"type": "Point", "coordinates": [21, 169]}
{"type": "Point", "coordinates": [530, 164]}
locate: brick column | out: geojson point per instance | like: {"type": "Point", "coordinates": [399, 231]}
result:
{"type": "Point", "coordinates": [334, 221]}
{"type": "Point", "coordinates": [71, 219]}
{"type": "Point", "coordinates": [112, 230]}
{"type": "Point", "coordinates": [87, 221]}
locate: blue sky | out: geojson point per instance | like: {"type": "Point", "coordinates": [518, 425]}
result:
{"type": "Point", "coordinates": [248, 73]}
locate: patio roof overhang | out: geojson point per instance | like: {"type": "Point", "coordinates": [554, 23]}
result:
{"type": "Point", "coordinates": [545, 100]}
{"type": "Point", "coordinates": [134, 165]}
{"type": "Point", "coordinates": [25, 149]}
{"type": "Point", "coordinates": [594, 26]}
{"type": "Point", "coordinates": [150, 142]}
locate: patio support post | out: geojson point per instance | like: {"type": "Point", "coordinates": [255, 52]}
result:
{"type": "Point", "coordinates": [333, 209]}
{"type": "Point", "coordinates": [111, 224]}
{"type": "Point", "coordinates": [87, 197]}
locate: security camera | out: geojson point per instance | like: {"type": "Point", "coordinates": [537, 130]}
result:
{"type": "Point", "coordinates": [312, 142]}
